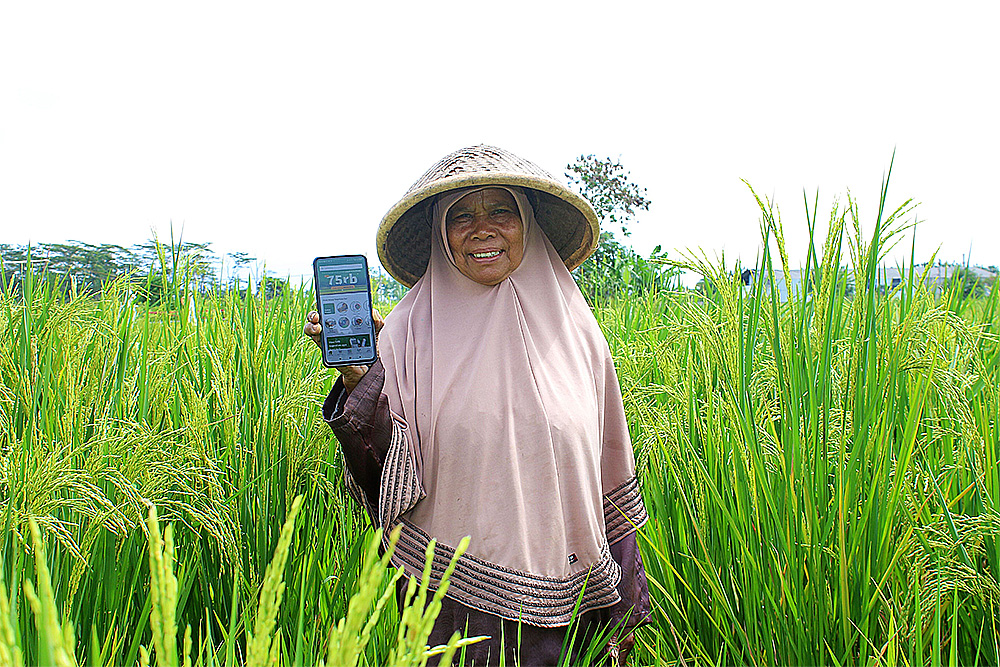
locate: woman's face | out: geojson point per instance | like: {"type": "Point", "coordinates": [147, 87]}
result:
{"type": "Point", "coordinates": [486, 235]}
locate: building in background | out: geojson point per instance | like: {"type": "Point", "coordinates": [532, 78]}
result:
{"type": "Point", "coordinates": [937, 277]}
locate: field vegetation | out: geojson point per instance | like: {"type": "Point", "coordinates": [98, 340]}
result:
{"type": "Point", "coordinates": [821, 473]}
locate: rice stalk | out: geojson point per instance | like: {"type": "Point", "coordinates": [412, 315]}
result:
{"type": "Point", "coordinates": [163, 586]}
{"type": "Point", "coordinates": [10, 652]}
{"type": "Point", "coordinates": [261, 646]}
{"type": "Point", "coordinates": [56, 642]}
{"type": "Point", "coordinates": [351, 634]}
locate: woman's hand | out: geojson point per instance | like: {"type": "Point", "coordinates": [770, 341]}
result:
{"type": "Point", "coordinates": [351, 374]}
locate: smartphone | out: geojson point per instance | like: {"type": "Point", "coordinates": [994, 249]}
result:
{"type": "Point", "coordinates": [344, 304]}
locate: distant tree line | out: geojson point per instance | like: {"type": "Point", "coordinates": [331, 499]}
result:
{"type": "Point", "coordinates": [86, 268]}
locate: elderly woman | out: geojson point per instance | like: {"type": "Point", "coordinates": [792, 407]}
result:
{"type": "Point", "coordinates": [494, 411]}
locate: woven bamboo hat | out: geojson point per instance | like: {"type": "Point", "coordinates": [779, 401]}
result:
{"type": "Point", "coordinates": [404, 235]}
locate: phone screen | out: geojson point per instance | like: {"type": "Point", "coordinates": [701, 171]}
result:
{"type": "Point", "coordinates": [344, 303]}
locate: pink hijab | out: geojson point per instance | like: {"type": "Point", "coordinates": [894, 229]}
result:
{"type": "Point", "coordinates": [513, 427]}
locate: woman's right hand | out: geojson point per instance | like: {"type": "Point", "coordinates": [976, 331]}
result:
{"type": "Point", "coordinates": [351, 374]}
{"type": "Point", "coordinates": [313, 328]}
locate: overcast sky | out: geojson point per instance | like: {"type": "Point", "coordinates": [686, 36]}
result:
{"type": "Point", "coordinates": [287, 130]}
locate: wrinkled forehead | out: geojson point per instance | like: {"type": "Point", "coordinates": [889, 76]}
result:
{"type": "Point", "coordinates": [486, 196]}
{"type": "Point", "coordinates": [448, 201]}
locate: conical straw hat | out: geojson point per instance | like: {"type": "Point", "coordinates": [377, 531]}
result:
{"type": "Point", "coordinates": [404, 235]}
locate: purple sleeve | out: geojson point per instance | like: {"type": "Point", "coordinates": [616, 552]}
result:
{"type": "Point", "coordinates": [363, 426]}
{"type": "Point", "coordinates": [633, 588]}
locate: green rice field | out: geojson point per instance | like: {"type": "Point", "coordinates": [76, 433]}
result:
{"type": "Point", "coordinates": [821, 473]}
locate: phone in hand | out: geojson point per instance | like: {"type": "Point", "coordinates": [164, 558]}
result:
{"type": "Point", "coordinates": [344, 304]}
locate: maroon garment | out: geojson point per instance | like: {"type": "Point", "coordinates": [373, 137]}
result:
{"type": "Point", "coordinates": [363, 425]}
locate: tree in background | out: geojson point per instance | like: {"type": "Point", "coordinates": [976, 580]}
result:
{"type": "Point", "coordinates": [180, 262]}
{"type": "Point", "coordinates": [271, 286]}
{"type": "Point", "coordinates": [968, 283]}
{"type": "Point", "coordinates": [614, 268]}
{"type": "Point", "coordinates": [608, 188]}
{"type": "Point", "coordinates": [240, 260]}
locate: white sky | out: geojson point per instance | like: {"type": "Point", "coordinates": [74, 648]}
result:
{"type": "Point", "coordinates": [287, 130]}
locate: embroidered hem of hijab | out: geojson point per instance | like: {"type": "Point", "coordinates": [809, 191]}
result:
{"type": "Point", "coordinates": [505, 592]}
{"type": "Point", "coordinates": [533, 599]}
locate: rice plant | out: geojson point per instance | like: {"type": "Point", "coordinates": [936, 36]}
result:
{"type": "Point", "coordinates": [56, 643]}
{"type": "Point", "coordinates": [821, 473]}
{"type": "Point", "coordinates": [107, 406]}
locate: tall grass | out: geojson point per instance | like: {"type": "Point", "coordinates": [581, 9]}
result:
{"type": "Point", "coordinates": [56, 643]}
{"type": "Point", "coordinates": [821, 473]}
{"type": "Point", "coordinates": [213, 417]}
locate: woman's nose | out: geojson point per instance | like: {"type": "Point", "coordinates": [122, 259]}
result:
{"type": "Point", "coordinates": [483, 227]}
